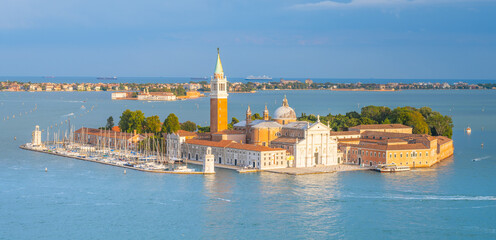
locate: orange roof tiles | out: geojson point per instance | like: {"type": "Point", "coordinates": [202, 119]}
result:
{"type": "Point", "coordinates": [286, 140]}
{"type": "Point", "coordinates": [257, 148]}
{"type": "Point", "coordinates": [229, 131]}
{"type": "Point", "coordinates": [442, 140]}
{"type": "Point", "coordinates": [109, 133]}
{"type": "Point", "coordinates": [344, 133]}
{"type": "Point", "coordinates": [184, 133]}
{"type": "Point", "coordinates": [232, 144]}
{"type": "Point", "coordinates": [380, 126]}
{"type": "Point", "coordinates": [222, 143]}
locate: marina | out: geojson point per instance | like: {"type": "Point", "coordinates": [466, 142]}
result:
{"type": "Point", "coordinates": [97, 146]}
{"type": "Point", "coordinates": [112, 162]}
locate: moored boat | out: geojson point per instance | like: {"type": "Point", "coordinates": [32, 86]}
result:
{"type": "Point", "coordinates": [391, 168]}
{"type": "Point", "coordinates": [183, 169]}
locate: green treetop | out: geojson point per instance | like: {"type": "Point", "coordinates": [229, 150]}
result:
{"type": "Point", "coordinates": [152, 124]}
{"type": "Point", "coordinates": [188, 126]}
{"type": "Point", "coordinates": [110, 123]}
{"type": "Point", "coordinates": [171, 124]}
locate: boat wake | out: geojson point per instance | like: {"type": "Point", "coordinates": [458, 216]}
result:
{"type": "Point", "coordinates": [479, 159]}
{"type": "Point", "coordinates": [68, 115]}
{"type": "Point", "coordinates": [223, 199]}
{"type": "Point", "coordinates": [435, 197]}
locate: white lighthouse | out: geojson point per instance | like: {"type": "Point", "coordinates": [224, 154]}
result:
{"type": "Point", "coordinates": [36, 137]}
{"type": "Point", "coordinates": [208, 164]}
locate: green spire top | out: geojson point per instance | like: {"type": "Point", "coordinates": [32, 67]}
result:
{"type": "Point", "coordinates": [218, 66]}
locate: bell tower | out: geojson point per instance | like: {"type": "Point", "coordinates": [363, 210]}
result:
{"type": "Point", "coordinates": [266, 114]}
{"type": "Point", "coordinates": [248, 115]}
{"type": "Point", "coordinates": [218, 99]}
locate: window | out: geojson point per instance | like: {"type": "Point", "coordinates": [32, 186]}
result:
{"type": "Point", "coordinates": [406, 154]}
{"type": "Point", "coordinates": [401, 155]}
{"type": "Point", "coordinates": [395, 155]}
{"type": "Point", "coordinates": [426, 154]}
{"type": "Point", "coordinates": [420, 154]}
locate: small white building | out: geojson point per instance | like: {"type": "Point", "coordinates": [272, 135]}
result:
{"type": "Point", "coordinates": [36, 137]}
{"type": "Point", "coordinates": [157, 96]}
{"type": "Point", "coordinates": [119, 95]}
{"type": "Point", "coordinates": [208, 164]}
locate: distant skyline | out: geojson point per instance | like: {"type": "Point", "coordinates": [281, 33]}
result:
{"type": "Point", "coordinates": [396, 39]}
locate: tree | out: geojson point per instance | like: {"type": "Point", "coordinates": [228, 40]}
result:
{"type": "Point", "coordinates": [375, 113]}
{"type": "Point", "coordinates": [411, 117]}
{"type": "Point", "coordinates": [130, 121]}
{"type": "Point", "coordinates": [152, 124]}
{"type": "Point", "coordinates": [180, 91]}
{"type": "Point", "coordinates": [188, 126]}
{"type": "Point", "coordinates": [386, 121]}
{"type": "Point", "coordinates": [171, 124]}
{"type": "Point", "coordinates": [440, 125]}
{"type": "Point", "coordinates": [203, 129]}
{"type": "Point", "coordinates": [110, 123]}
{"type": "Point", "coordinates": [136, 121]}
{"type": "Point", "coordinates": [256, 116]}
{"type": "Point", "coordinates": [353, 115]}
{"type": "Point", "coordinates": [125, 120]}
{"type": "Point", "coordinates": [366, 120]}
{"type": "Point", "coordinates": [234, 121]}
{"type": "Point", "coordinates": [426, 112]}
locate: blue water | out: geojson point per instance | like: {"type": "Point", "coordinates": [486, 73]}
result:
{"type": "Point", "coordinates": [93, 79]}
{"type": "Point", "coordinates": [455, 199]}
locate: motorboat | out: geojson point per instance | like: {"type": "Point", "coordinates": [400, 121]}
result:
{"type": "Point", "coordinates": [391, 168]}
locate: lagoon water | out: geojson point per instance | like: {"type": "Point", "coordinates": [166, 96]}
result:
{"type": "Point", "coordinates": [455, 199]}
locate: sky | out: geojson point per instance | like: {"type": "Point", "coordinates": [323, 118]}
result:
{"type": "Point", "coordinates": [397, 39]}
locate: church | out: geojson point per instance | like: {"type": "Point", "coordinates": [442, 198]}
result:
{"type": "Point", "coordinates": [277, 142]}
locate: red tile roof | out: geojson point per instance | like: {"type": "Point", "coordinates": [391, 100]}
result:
{"type": "Point", "coordinates": [285, 140]}
{"type": "Point", "coordinates": [442, 140]}
{"type": "Point", "coordinates": [229, 131]}
{"type": "Point", "coordinates": [380, 126]}
{"type": "Point", "coordinates": [184, 133]}
{"type": "Point", "coordinates": [232, 144]}
{"type": "Point", "coordinates": [341, 133]}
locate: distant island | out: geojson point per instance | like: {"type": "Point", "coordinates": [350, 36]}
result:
{"type": "Point", "coordinates": [181, 89]}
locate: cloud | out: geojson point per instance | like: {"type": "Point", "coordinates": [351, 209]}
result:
{"type": "Point", "coordinates": [372, 3]}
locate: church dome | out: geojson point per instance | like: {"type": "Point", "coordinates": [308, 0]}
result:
{"type": "Point", "coordinates": [284, 111]}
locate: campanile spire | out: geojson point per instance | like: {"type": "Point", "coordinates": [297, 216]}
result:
{"type": "Point", "coordinates": [218, 98]}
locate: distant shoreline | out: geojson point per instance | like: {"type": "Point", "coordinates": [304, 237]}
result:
{"type": "Point", "coordinates": [180, 89]}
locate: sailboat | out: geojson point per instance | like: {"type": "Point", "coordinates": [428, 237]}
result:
{"type": "Point", "coordinates": [185, 167]}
